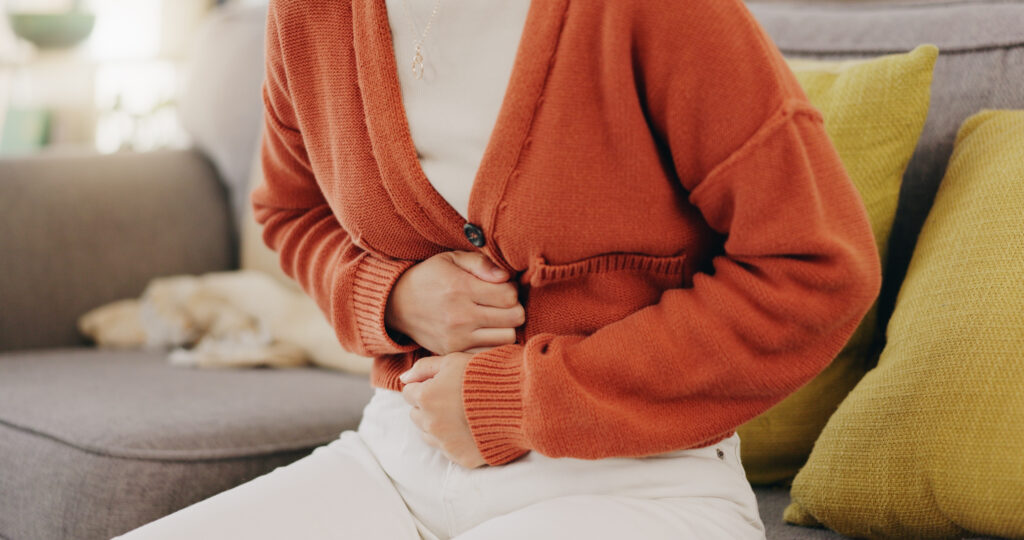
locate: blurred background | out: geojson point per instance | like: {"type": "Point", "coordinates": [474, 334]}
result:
{"type": "Point", "coordinates": [103, 75]}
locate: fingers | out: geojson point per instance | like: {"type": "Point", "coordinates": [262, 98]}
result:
{"type": "Point", "coordinates": [431, 440]}
{"type": "Point", "coordinates": [492, 317]}
{"type": "Point", "coordinates": [411, 394]}
{"type": "Point", "coordinates": [501, 295]}
{"type": "Point", "coordinates": [418, 417]}
{"type": "Point", "coordinates": [493, 337]}
{"type": "Point", "coordinates": [479, 265]}
{"type": "Point", "coordinates": [423, 369]}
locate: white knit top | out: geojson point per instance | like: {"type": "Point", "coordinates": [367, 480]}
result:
{"type": "Point", "coordinates": [467, 60]}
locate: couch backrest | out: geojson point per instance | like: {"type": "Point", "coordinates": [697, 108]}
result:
{"type": "Point", "coordinates": [220, 105]}
{"type": "Point", "coordinates": [980, 66]}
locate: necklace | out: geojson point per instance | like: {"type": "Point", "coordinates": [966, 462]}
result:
{"type": "Point", "coordinates": [417, 59]}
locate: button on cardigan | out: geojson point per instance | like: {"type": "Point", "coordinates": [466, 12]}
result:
{"type": "Point", "coordinates": [686, 242]}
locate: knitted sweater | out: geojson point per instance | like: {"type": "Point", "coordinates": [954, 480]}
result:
{"type": "Point", "coordinates": [687, 245]}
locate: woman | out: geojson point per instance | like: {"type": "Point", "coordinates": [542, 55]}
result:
{"type": "Point", "coordinates": [583, 241]}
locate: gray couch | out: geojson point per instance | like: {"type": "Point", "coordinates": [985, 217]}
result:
{"type": "Point", "coordinates": [94, 443]}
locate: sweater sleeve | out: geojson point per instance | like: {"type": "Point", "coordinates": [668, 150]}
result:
{"type": "Point", "coordinates": [350, 285]}
{"type": "Point", "coordinates": [797, 273]}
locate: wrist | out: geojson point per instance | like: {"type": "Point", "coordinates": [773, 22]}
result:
{"type": "Point", "coordinates": [397, 336]}
{"type": "Point", "coordinates": [392, 322]}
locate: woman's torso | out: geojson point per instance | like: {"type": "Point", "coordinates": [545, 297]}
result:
{"type": "Point", "coordinates": [575, 192]}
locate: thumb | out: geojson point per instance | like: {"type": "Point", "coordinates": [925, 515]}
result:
{"type": "Point", "coordinates": [424, 368]}
{"type": "Point", "coordinates": [480, 266]}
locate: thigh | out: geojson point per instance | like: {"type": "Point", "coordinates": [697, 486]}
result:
{"type": "Point", "coordinates": [598, 517]}
{"type": "Point", "coordinates": [338, 491]}
{"type": "Point", "coordinates": [711, 477]}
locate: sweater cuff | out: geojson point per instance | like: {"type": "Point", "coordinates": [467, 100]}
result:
{"type": "Point", "coordinates": [491, 395]}
{"type": "Point", "coordinates": [374, 278]}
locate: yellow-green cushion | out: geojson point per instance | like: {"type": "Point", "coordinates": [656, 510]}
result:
{"type": "Point", "coordinates": [874, 112]}
{"type": "Point", "coordinates": [931, 442]}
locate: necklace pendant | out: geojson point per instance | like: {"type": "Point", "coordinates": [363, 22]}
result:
{"type": "Point", "coordinates": [417, 64]}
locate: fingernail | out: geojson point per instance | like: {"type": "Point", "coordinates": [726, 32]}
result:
{"type": "Point", "coordinates": [403, 376]}
{"type": "Point", "coordinates": [499, 272]}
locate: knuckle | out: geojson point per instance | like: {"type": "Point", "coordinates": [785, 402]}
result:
{"type": "Point", "coordinates": [450, 288]}
{"type": "Point", "coordinates": [432, 426]}
{"type": "Point", "coordinates": [452, 257]}
{"type": "Point", "coordinates": [458, 318]}
{"type": "Point", "coordinates": [426, 397]}
{"type": "Point", "coordinates": [450, 320]}
{"type": "Point", "coordinates": [447, 361]}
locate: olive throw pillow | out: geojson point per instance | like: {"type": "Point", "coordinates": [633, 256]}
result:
{"type": "Point", "coordinates": [930, 444]}
{"type": "Point", "coordinates": [874, 112]}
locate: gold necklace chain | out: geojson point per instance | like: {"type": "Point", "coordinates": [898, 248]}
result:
{"type": "Point", "coordinates": [417, 59]}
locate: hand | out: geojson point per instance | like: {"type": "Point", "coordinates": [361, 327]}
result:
{"type": "Point", "coordinates": [455, 301]}
{"type": "Point", "coordinates": [434, 389]}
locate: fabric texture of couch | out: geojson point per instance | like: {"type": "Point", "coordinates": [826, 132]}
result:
{"type": "Point", "coordinates": [94, 443]}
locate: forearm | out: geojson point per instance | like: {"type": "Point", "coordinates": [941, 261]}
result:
{"type": "Point", "coordinates": [348, 283]}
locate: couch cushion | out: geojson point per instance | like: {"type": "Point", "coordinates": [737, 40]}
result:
{"type": "Point", "coordinates": [771, 501]}
{"type": "Point", "coordinates": [930, 444]}
{"type": "Point", "coordinates": [94, 443]}
{"type": "Point", "coordinates": [980, 65]}
{"type": "Point", "coordinates": [220, 103]}
{"type": "Point", "coordinates": [81, 229]}
{"type": "Point", "coordinates": [874, 111]}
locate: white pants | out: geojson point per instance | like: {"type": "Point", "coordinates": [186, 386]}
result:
{"type": "Point", "coordinates": [383, 482]}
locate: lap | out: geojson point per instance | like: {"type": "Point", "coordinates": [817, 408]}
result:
{"type": "Point", "coordinates": [599, 517]}
{"type": "Point", "coordinates": [383, 482]}
{"type": "Point", "coordinates": [338, 491]}
{"type": "Point", "coordinates": [703, 490]}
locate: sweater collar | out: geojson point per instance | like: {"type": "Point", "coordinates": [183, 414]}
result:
{"type": "Point", "coordinates": [391, 139]}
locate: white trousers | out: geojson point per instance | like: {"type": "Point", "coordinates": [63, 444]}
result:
{"type": "Point", "coordinates": [384, 482]}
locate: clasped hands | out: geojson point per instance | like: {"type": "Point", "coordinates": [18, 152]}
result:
{"type": "Point", "coordinates": [455, 303]}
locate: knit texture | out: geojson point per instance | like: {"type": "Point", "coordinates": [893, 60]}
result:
{"type": "Point", "coordinates": [687, 244]}
{"type": "Point", "coordinates": [874, 112]}
{"type": "Point", "coordinates": [930, 444]}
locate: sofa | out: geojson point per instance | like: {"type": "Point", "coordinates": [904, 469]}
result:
{"type": "Point", "coordinates": [96, 442]}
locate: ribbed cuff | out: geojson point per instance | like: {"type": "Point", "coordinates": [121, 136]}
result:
{"type": "Point", "coordinates": [491, 394]}
{"type": "Point", "coordinates": [374, 278]}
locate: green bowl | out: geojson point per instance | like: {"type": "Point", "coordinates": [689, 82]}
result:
{"type": "Point", "coordinates": [53, 30]}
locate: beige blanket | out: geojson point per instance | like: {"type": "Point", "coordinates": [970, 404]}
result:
{"type": "Point", "coordinates": [243, 318]}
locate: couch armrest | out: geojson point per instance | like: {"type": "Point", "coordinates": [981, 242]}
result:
{"type": "Point", "coordinates": [81, 230]}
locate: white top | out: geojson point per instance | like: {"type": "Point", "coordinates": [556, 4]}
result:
{"type": "Point", "coordinates": [467, 59]}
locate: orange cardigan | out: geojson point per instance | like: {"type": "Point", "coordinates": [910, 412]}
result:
{"type": "Point", "coordinates": [686, 242]}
